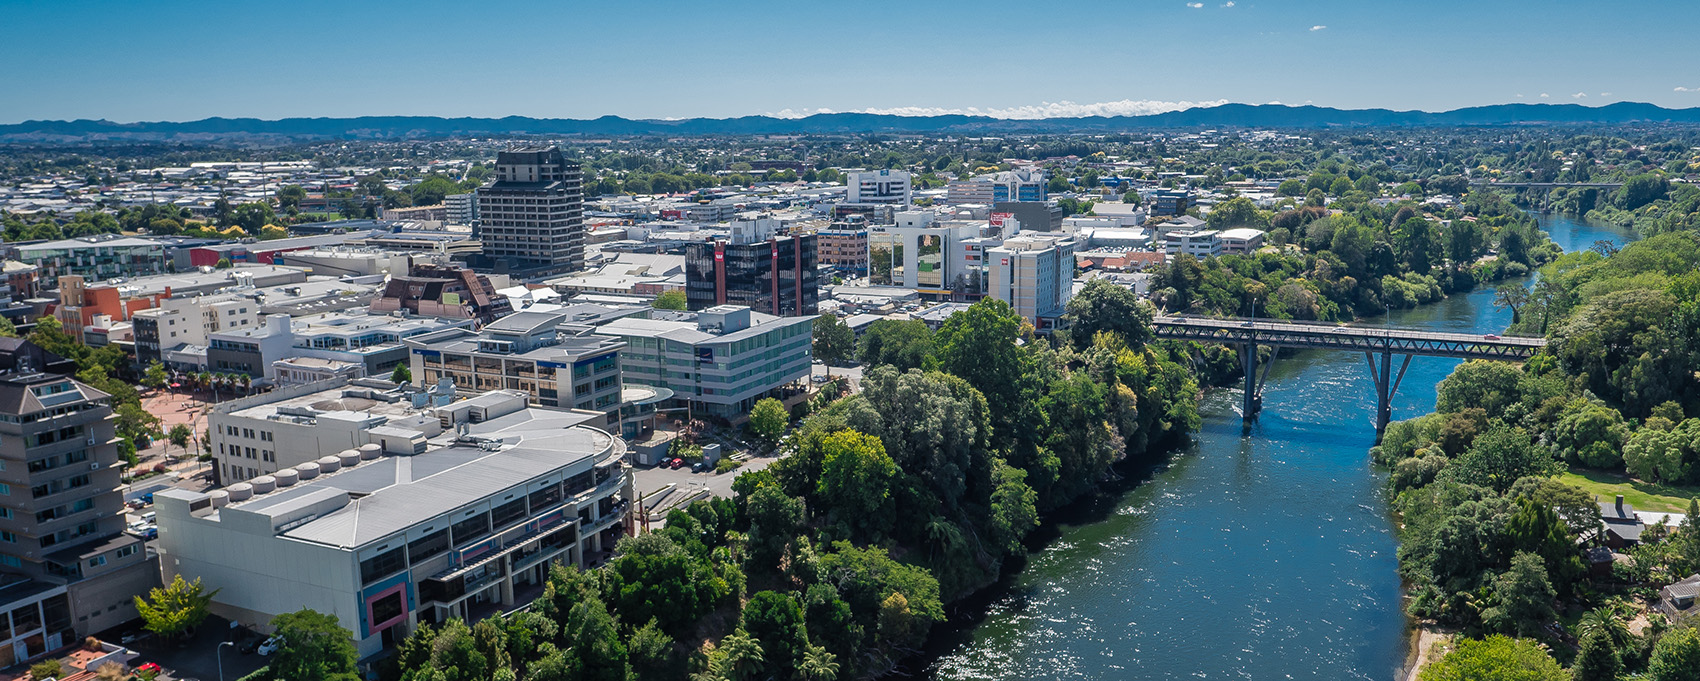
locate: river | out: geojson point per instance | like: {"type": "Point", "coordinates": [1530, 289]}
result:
{"type": "Point", "coordinates": [1260, 554]}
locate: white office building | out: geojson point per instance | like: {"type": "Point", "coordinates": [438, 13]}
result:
{"type": "Point", "coordinates": [1199, 243]}
{"type": "Point", "coordinates": [388, 540]}
{"type": "Point", "coordinates": [879, 186]}
{"type": "Point", "coordinates": [719, 361]}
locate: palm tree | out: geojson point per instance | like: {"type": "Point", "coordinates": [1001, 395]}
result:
{"type": "Point", "coordinates": [741, 657]}
{"type": "Point", "coordinates": [1604, 619]}
{"type": "Point", "coordinates": [817, 665]}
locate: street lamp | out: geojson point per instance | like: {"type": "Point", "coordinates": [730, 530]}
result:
{"type": "Point", "coordinates": [219, 652]}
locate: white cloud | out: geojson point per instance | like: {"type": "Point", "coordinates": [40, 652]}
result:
{"type": "Point", "coordinates": [1519, 95]}
{"type": "Point", "coordinates": [1318, 27]}
{"type": "Point", "coordinates": [1605, 94]}
{"type": "Point", "coordinates": [1195, 5]}
{"type": "Point", "coordinates": [1579, 95]}
{"type": "Point", "coordinates": [1063, 109]}
{"type": "Point", "coordinates": [1229, 3]}
{"type": "Point", "coordinates": [1275, 102]}
{"type": "Point", "coordinates": [1680, 88]}
{"type": "Point", "coordinates": [1545, 95]}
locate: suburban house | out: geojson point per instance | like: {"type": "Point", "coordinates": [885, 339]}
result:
{"type": "Point", "coordinates": [1623, 527]}
{"type": "Point", "coordinates": [1677, 600]}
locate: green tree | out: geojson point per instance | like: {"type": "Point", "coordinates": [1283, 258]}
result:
{"type": "Point", "coordinates": [1641, 190]}
{"type": "Point", "coordinates": [180, 435]}
{"type": "Point", "coordinates": [776, 620]}
{"type": "Point", "coordinates": [905, 344]}
{"type": "Point", "coordinates": [173, 610]}
{"type": "Point", "coordinates": [978, 345]}
{"type": "Point", "coordinates": [1236, 212]}
{"type": "Point", "coordinates": [670, 300]}
{"type": "Point", "coordinates": [652, 656]}
{"type": "Point", "coordinates": [738, 658]}
{"type": "Point", "coordinates": [768, 419]}
{"type": "Point", "coordinates": [855, 482]}
{"type": "Point", "coordinates": [1524, 597]}
{"type": "Point", "coordinates": [1496, 658]}
{"type": "Point", "coordinates": [155, 376]}
{"type": "Point", "coordinates": [1677, 656]}
{"type": "Point", "coordinates": [1103, 306]}
{"type": "Point", "coordinates": [402, 375]}
{"type": "Point", "coordinates": [775, 520]}
{"type": "Point", "coordinates": [594, 638]}
{"type": "Point", "coordinates": [1511, 296]}
{"type": "Point", "coordinates": [1489, 385]}
{"type": "Point", "coordinates": [834, 342]}
{"type": "Point", "coordinates": [1599, 658]}
{"type": "Point", "coordinates": [7, 328]}
{"type": "Point", "coordinates": [315, 646]}
{"type": "Point", "coordinates": [1501, 456]}
{"type": "Point", "coordinates": [223, 264]}
{"type": "Point", "coordinates": [817, 665]}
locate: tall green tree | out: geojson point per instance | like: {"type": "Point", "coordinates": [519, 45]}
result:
{"type": "Point", "coordinates": [1102, 306]}
{"type": "Point", "coordinates": [1524, 597]}
{"type": "Point", "coordinates": [173, 610]}
{"type": "Point", "coordinates": [834, 342]}
{"type": "Point", "coordinates": [1676, 657]}
{"type": "Point", "coordinates": [768, 419]}
{"type": "Point", "coordinates": [315, 646]}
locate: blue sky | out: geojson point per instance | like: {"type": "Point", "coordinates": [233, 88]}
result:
{"type": "Point", "coordinates": [157, 60]}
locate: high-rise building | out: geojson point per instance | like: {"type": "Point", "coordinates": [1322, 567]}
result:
{"type": "Point", "coordinates": [878, 186]}
{"type": "Point", "coordinates": [532, 216]}
{"type": "Point", "coordinates": [462, 208]}
{"type": "Point", "coordinates": [1035, 275]}
{"type": "Point", "coordinates": [61, 520]}
{"type": "Point", "coordinates": [1027, 184]}
{"type": "Point", "coordinates": [757, 268]}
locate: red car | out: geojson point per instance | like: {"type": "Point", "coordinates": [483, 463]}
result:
{"type": "Point", "coordinates": [676, 463]}
{"type": "Point", "coordinates": [149, 667]}
{"type": "Point", "coordinates": [1491, 337]}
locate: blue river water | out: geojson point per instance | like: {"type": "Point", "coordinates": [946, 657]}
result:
{"type": "Point", "coordinates": [1265, 553]}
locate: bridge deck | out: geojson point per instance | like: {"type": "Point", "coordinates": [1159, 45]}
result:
{"type": "Point", "coordinates": [1356, 338]}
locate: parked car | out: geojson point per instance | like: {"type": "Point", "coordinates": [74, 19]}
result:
{"type": "Point", "coordinates": [149, 532]}
{"type": "Point", "coordinates": [271, 645]}
{"type": "Point", "coordinates": [676, 463]}
{"type": "Point", "coordinates": [149, 667]}
{"type": "Point", "coordinates": [699, 466]}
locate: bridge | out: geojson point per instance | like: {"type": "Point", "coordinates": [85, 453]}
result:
{"type": "Point", "coordinates": [1546, 185]}
{"type": "Point", "coordinates": [1379, 345]}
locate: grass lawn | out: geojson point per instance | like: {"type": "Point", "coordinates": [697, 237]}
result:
{"type": "Point", "coordinates": [1644, 496]}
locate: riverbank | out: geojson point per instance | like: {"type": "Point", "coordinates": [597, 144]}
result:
{"type": "Point", "coordinates": [1260, 552]}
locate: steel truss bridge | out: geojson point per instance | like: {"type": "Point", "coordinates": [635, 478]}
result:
{"type": "Point", "coordinates": [1379, 345]}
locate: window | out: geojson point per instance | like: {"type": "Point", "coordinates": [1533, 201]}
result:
{"type": "Point", "coordinates": [427, 546]}
{"type": "Point", "coordinates": [383, 564]}
{"type": "Point", "coordinates": [8, 537]}
{"type": "Point", "coordinates": [128, 551]}
{"type": "Point", "coordinates": [97, 561]}
{"type": "Point", "coordinates": [505, 514]}
{"type": "Point", "coordinates": [470, 529]}
{"type": "Point", "coordinates": [387, 608]}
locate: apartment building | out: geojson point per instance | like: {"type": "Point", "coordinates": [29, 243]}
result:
{"type": "Point", "coordinates": [844, 247]}
{"type": "Point", "coordinates": [95, 257]}
{"type": "Point", "coordinates": [436, 214]}
{"type": "Point", "coordinates": [387, 540]}
{"type": "Point", "coordinates": [533, 214]}
{"type": "Point", "coordinates": [1023, 184]}
{"type": "Point", "coordinates": [1035, 275]}
{"type": "Point", "coordinates": [462, 209]}
{"type": "Point", "coordinates": [527, 352]}
{"type": "Point", "coordinates": [61, 522]}
{"type": "Point", "coordinates": [719, 361]}
{"type": "Point", "coordinates": [190, 321]}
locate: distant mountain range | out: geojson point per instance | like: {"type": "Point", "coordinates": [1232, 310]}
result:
{"type": "Point", "coordinates": [1224, 116]}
